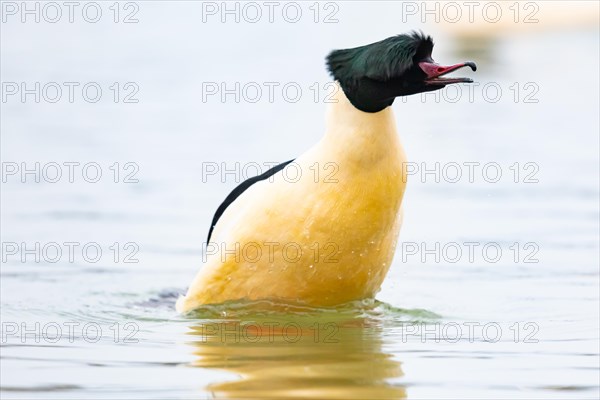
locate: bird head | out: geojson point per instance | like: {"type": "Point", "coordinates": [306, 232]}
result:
{"type": "Point", "coordinates": [372, 76]}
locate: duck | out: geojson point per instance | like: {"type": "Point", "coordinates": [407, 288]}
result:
{"type": "Point", "coordinates": [321, 230]}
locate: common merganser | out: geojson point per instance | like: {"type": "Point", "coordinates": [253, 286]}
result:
{"type": "Point", "coordinates": [329, 238]}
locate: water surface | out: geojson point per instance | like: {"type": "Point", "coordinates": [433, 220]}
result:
{"type": "Point", "coordinates": [514, 328]}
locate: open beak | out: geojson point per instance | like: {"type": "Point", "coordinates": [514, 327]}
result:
{"type": "Point", "coordinates": [435, 72]}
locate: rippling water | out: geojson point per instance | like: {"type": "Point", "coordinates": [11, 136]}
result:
{"type": "Point", "coordinates": [517, 327]}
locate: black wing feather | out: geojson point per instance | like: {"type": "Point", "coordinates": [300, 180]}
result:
{"type": "Point", "coordinates": [241, 188]}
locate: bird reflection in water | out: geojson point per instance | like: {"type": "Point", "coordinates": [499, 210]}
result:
{"type": "Point", "coordinates": [297, 355]}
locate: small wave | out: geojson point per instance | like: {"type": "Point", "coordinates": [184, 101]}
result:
{"type": "Point", "coordinates": [368, 308]}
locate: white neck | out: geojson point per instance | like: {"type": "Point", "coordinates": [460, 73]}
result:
{"type": "Point", "coordinates": [358, 136]}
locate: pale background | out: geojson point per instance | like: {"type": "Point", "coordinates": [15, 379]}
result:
{"type": "Point", "coordinates": [171, 134]}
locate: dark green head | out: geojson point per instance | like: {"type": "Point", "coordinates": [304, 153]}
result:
{"type": "Point", "coordinates": [372, 76]}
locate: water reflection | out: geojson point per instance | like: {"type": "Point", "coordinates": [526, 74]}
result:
{"type": "Point", "coordinates": [303, 355]}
